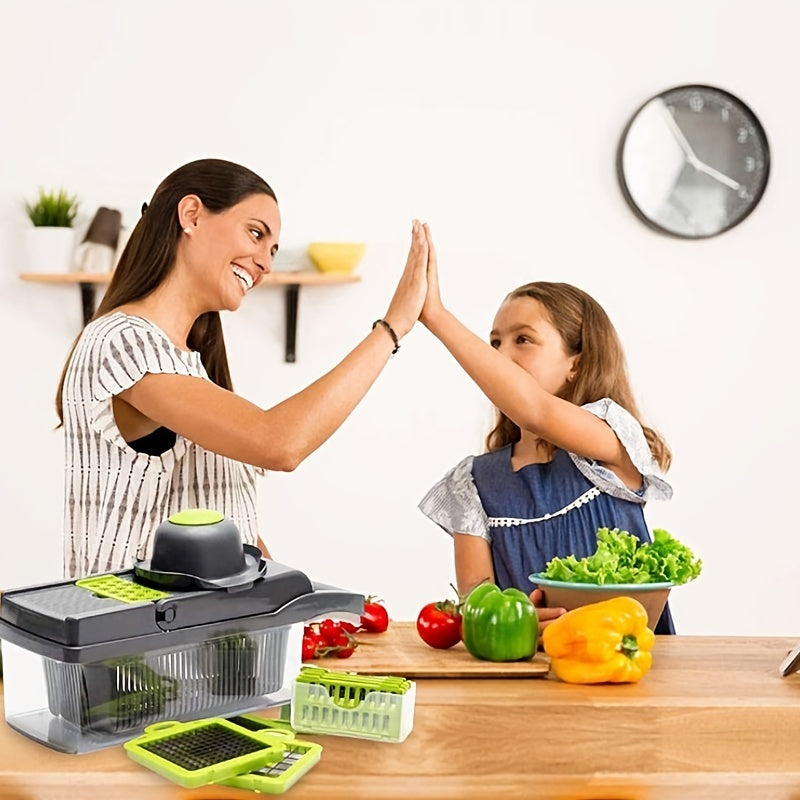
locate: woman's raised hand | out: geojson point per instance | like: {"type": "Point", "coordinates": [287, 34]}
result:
{"type": "Point", "coordinates": [406, 303]}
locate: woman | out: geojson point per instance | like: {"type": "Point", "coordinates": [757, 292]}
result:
{"type": "Point", "coordinates": [150, 419]}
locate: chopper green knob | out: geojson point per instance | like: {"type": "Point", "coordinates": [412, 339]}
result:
{"type": "Point", "coordinates": [196, 516]}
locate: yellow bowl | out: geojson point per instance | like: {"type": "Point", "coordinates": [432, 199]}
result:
{"type": "Point", "coordinates": [336, 256]}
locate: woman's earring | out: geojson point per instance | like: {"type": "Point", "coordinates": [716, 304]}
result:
{"type": "Point", "coordinates": [187, 230]}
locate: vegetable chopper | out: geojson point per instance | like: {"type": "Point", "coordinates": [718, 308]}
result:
{"type": "Point", "coordinates": [90, 663]}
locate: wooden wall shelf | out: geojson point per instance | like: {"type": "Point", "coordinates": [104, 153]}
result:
{"type": "Point", "coordinates": [291, 281]}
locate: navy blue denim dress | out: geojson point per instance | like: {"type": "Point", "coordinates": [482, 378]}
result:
{"type": "Point", "coordinates": [544, 511]}
{"type": "Point", "coordinates": [537, 491]}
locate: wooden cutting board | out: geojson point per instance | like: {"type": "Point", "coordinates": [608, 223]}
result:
{"type": "Point", "coordinates": [400, 651]}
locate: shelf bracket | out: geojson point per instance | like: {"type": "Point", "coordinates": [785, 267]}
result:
{"type": "Point", "coordinates": [87, 301]}
{"type": "Point", "coordinates": [292, 295]}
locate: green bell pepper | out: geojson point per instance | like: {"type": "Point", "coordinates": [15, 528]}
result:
{"type": "Point", "coordinates": [499, 625]}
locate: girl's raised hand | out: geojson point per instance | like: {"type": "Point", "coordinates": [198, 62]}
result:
{"type": "Point", "coordinates": [433, 300]}
{"type": "Point", "coordinates": [406, 303]}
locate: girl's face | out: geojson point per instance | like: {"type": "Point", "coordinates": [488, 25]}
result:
{"type": "Point", "coordinates": [233, 250]}
{"type": "Point", "coordinates": [524, 333]}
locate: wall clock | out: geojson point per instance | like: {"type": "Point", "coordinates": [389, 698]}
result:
{"type": "Point", "coordinates": [693, 161]}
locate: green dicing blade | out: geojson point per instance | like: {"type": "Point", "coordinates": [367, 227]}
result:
{"type": "Point", "coordinates": [194, 754]}
{"type": "Point", "coordinates": [298, 758]}
{"type": "Point", "coordinates": [255, 722]}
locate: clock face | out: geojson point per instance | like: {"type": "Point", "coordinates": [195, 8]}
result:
{"type": "Point", "coordinates": [693, 161]}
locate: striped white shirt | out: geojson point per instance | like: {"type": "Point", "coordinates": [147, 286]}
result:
{"type": "Point", "coordinates": [115, 497]}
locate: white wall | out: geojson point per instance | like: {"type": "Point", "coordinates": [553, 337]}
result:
{"type": "Point", "coordinates": [498, 123]}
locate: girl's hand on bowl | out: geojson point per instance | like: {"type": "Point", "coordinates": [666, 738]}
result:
{"type": "Point", "coordinates": [546, 614]}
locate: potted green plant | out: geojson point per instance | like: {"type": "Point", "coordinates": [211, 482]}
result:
{"type": "Point", "coordinates": [51, 240]}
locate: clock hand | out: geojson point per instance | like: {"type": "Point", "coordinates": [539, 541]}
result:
{"type": "Point", "coordinates": [678, 134]}
{"type": "Point", "coordinates": [717, 175]}
{"type": "Point", "coordinates": [690, 154]}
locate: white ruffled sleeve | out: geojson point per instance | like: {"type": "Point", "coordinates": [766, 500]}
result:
{"type": "Point", "coordinates": [630, 433]}
{"type": "Point", "coordinates": [129, 352]}
{"type": "Point", "coordinates": [453, 503]}
{"type": "Point", "coordinates": [116, 353]}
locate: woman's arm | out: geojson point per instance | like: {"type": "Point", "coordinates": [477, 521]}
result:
{"type": "Point", "coordinates": [280, 438]}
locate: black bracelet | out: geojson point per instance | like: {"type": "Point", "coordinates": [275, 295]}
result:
{"type": "Point", "coordinates": [390, 329]}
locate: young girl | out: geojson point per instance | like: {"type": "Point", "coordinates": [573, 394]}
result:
{"type": "Point", "coordinates": [151, 423]}
{"type": "Point", "coordinates": [569, 453]}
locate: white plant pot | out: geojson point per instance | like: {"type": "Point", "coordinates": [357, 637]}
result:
{"type": "Point", "coordinates": [50, 249]}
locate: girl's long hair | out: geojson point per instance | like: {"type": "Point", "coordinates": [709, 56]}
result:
{"type": "Point", "coordinates": [149, 254]}
{"type": "Point", "coordinates": [601, 370]}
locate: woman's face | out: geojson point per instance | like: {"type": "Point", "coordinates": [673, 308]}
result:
{"type": "Point", "coordinates": [524, 333]}
{"type": "Point", "coordinates": [232, 250]}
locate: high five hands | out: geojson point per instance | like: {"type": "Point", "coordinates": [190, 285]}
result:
{"type": "Point", "coordinates": [433, 300]}
{"type": "Point", "coordinates": [409, 296]}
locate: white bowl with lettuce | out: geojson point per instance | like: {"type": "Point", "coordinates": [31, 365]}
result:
{"type": "Point", "coordinates": [620, 566]}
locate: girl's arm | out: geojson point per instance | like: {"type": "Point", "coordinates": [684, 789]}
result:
{"type": "Point", "coordinates": [474, 565]}
{"type": "Point", "coordinates": [280, 438]}
{"type": "Point", "coordinates": [517, 393]}
{"type": "Point", "coordinates": [473, 562]}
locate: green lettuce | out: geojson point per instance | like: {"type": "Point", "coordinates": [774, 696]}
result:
{"type": "Point", "coordinates": [621, 558]}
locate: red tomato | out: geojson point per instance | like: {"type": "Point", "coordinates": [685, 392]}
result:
{"type": "Point", "coordinates": [349, 627]}
{"type": "Point", "coordinates": [311, 643]}
{"type": "Point", "coordinates": [439, 624]}
{"type": "Point", "coordinates": [329, 630]}
{"type": "Point", "coordinates": [344, 646]}
{"type": "Point", "coordinates": [375, 618]}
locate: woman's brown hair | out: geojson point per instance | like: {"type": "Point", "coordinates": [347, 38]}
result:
{"type": "Point", "coordinates": [601, 369]}
{"type": "Point", "coordinates": [149, 255]}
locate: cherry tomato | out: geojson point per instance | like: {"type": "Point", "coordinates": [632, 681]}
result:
{"type": "Point", "coordinates": [349, 626]}
{"type": "Point", "coordinates": [439, 624]}
{"type": "Point", "coordinates": [329, 638]}
{"type": "Point", "coordinates": [329, 630]}
{"type": "Point", "coordinates": [375, 618]}
{"type": "Point", "coordinates": [311, 643]}
{"type": "Point", "coordinates": [343, 646]}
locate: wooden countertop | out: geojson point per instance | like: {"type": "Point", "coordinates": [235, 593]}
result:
{"type": "Point", "coordinates": [712, 719]}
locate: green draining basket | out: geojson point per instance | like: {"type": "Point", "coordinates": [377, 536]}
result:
{"type": "Point", "coordinates": [348, 704]}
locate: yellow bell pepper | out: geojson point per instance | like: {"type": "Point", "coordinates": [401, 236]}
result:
{"type": "Point", "coordinates": [605, 642]}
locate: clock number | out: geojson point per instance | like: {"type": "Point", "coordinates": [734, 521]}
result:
{"type": "Point", "coordinates": [725, 114]}
{"type": "Point", "coordinates": [696, 103]}
{"type": "Point", "coordinates": [749, 164]}
{"type": "Point", "coordinates": [742, 135]}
